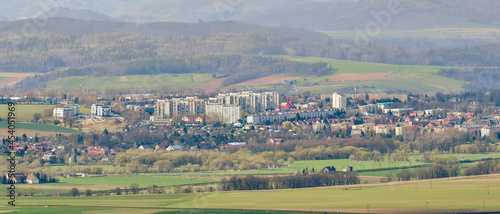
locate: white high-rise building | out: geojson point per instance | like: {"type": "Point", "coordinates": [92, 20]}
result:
{"type": "Point", "coordinates": [339, 101]}
{"type": "Point", "coordinates": [223, 113]}
{"type": "Point", "coordinates": [179, 107]}
{"type": "Point", "coordinates": [251, 102]}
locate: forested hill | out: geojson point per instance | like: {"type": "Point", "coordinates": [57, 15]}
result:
{"type": "Point", "coordinates": [67, 26]}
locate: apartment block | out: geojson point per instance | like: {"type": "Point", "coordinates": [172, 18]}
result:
{"type": "Point", "coordinates": [339, 101]}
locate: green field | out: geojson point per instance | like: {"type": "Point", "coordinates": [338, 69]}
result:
{"type": "Point", "coordinates": [461, 194]}
{"type": "Point", "coordinates": [183, 81]}
{"type": "Point", "coordinates": [404, 77]}
{"type": "Point", "coordinates": [38, 127]}
{"type": "Point", "coordinates": [127, 180]}
{"type": "Point", "coordinates": [339, 164]}
{"type": "Point", "coordinates": [24, 112]}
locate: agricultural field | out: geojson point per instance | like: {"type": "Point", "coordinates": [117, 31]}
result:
{"type": "Point", "coordinates": [180, 81]}
{"type": "Point", "coordinates": [376, 77]}
{"type": "Point", "coordinates": [24, 112]}
{"type": "Point", "coordinates": [366, 76]}
{"type": "Point", "coordinates": [9, 79]}
{"type": "Point", "coordinates": [127, 180]}
{"type": "Point", "coordinates": [447, 195]}
{"type": "Point", "coordinates": [35, 128]}
{"type": "Point", "coordinates": [339, 164]}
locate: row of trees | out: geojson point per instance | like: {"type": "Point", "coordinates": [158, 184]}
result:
{"type": "Point", "coordinates": [435, 171]}
{"type": "Point", "coordinates": [482, 168]}
{"type": "Point", "coordinates": [299, 180]}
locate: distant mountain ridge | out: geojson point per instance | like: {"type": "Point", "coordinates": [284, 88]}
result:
{"type": "Point", "coordinates": [63, 12]}
{"type": "Point", "coordinates": [309, 14]}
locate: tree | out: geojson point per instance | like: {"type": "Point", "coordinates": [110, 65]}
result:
{"type": "Point", "coordinates": [389, 176]}
{"type": "Point", "coordinates": [76, 100]}
{"type": "Point", "coordinates": [36, 117]}
{"type": "Point", "coordinates": [69, 121]}
{"type": "Point", "coordinates": [134, 188]}
{"type": "Point", "coordinates": [118, 191]}
{"type": "Point", "coordinates": [88, 192]}
{"type": "Point", "coordinates": [74, 192]}
{"type": "Point", "coordinates": [291, 160]}
{"type": "Point", "coordinates": [404, 175]}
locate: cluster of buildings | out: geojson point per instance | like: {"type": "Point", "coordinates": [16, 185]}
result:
{"type": "Point", "coordinates": [226, 108]}
{"type": "Point", "coordinates": [69, 110]}
{"type": "Point", "coordinates": [100, 110]}
{"type": "Point", "coordinates": [72, 110]}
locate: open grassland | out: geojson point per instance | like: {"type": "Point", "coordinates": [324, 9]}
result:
{"type": "Point", "coordinates": [24, 112]}
{"type": "Point", "coordinates": [377, 77]}
{"type": "Point", "coordinates": [181, 81]}
{"type": "Point", "coordinates": [448, 195]}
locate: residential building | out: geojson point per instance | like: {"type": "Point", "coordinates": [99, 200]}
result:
{"type": "Point", "coordinates": [400, 130]}
{"type": "Point", "coordinates": [382, 129]}
{"type": "Point", "coordinates": [100, 110]}
{"type": "Point", "coordinates": [174, 148]}
{"type": "Point", "coordinates": [179, 107]}
{"type": "Point", "coordinates": [62, 112]}
{"type": "Point", "coordinates": [339, 101]}
{"type": "Point", "coordinates": [250, 102]}
{"type": "Point", "coordinates": [31, 179]}
{"type": "Point", "coordinates": [489, 131]}
{"type": "Point", "coordinates": [223, 113]}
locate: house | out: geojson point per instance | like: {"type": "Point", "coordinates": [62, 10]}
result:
{"type": "Point", "coordinates": [276, 141]}
{"type": "Point", "coordinates": [144, 147]}
{"type": "Point", "coordinates": [329, 169]}
{"type": "Point", "coordinates": [160, 147]}
{"type": "Point", "coordinates": [18, 177]}
{"type": "Point", "coordinates": [382, 129]}
{"type": "Point", "coordinates": [96, 150]}
{"type": "Point", "coordinates": [174, 148]}
{"type": "Point", "coordinates": [80, 174]}
{"type": "Point", "coordinates": [31, 179]}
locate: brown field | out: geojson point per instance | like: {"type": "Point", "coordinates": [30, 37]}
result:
{"type": "Point", "coordinates": [20, 132]}
{"type": "Point", "coordinates": [360, 76]}
{"type": "Point", "coordinates": [266, 80]}
{"type": "Point", "coordinates": [216, 83]}
{"type": "Point", "coordinates": [13, 78]}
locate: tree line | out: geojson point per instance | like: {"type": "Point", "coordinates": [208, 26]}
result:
{"type": "Point", "coordinates": [299, 180]}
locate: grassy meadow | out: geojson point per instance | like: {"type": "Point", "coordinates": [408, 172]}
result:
{"type": "Point", "coordinates": [24, 112]}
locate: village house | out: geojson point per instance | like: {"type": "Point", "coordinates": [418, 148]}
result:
{"type": "Point", "coordinates": [31, 179]}
{"type": "Point", "coordinates": [174, 148]}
